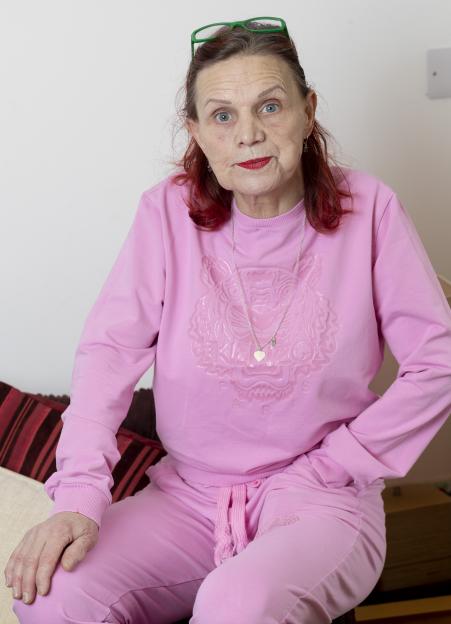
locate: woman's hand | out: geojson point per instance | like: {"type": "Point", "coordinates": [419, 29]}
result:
{"type": "Point", "coordinates": [33, 561]}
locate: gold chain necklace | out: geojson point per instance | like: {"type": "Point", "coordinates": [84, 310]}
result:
{"type": "Point", "coordinates": [259, 354]}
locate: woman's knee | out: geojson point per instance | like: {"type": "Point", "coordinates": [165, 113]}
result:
{"type": "Point", "coordinates": [225, 597]}
{"type": "Point", "coordinates": [228, 594]}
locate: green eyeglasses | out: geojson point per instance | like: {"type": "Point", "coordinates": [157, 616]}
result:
{"type": "Point", "coordinates": [276, 24]}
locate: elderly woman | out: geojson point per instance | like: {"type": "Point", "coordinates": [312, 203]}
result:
{"type": "Point", "coordinates": [262, 281]}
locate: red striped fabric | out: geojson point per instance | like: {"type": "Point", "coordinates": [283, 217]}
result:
{"type": "Point", "coordinates": [29, 432]}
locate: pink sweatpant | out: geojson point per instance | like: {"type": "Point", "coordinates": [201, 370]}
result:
{"type": "Point", "coordinates": [288, 550]}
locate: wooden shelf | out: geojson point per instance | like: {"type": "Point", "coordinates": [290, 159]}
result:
{"type": "Point", "coordinates": [429, 608]}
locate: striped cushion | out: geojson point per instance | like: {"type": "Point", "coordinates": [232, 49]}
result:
{"type": "Point", "coordinates": [29, 431]}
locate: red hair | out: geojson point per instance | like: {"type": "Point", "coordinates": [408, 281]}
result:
{"type": "Point", "coordinates": [210, 204]}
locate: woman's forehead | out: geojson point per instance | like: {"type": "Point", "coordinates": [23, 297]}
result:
{"type": "Point", "coordinates": [252, 72]}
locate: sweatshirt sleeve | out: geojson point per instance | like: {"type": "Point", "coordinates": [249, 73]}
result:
{"type": "Point", "coordinates": [117, 346]}
{"type": "Point", "coordinates": [414, 317]}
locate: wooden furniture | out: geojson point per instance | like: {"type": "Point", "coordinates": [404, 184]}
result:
{"type": "Point", "coordinates": [347, 618]}
{"type": "Point", "coordinates": [418, 521]}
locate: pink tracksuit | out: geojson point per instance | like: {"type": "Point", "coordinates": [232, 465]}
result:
{"type": "Point", "coordinates": [269, 499]}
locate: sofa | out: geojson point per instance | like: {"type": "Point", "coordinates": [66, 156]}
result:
{"type": "Point", "coordinates": [30, 425]}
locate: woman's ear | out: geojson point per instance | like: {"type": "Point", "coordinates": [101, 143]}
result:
{"type": "Point", "coordinates": [192, 127]}
{"type": "Point", "coordinates": [311, 109]}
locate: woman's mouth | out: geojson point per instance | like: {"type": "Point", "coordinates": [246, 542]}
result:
{"type": "Point", "coordinates": [257, 163]}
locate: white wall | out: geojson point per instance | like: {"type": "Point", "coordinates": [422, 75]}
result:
{"type": "Point", "coordinates": [87, 109]}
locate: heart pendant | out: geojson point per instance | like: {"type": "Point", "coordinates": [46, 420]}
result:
{"type": "Point", "coordinates": [259, 355]}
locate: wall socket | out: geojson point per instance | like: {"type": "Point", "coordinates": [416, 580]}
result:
{"type": "Point", "coordinates": [439, 73]}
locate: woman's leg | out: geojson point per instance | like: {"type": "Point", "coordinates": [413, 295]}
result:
{"type": "Point", "coordinates": [150, 559]}
{"type": "Point", "coordinates": [317, 552]}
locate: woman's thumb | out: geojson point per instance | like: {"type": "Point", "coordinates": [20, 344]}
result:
{"type": "Point", "coordinates": [72, 555]}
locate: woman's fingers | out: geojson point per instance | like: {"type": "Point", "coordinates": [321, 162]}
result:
{"type": "Point", "coordinates": [23, 561]}
{"type": "Point", "coordinates": [37, 575]}
{"type": "Point", "coordinates": [34, 560]}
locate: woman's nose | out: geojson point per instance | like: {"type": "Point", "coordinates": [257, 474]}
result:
{"type": "Point", "coordinates": [249, 130]}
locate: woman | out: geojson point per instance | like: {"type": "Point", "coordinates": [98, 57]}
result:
{"type": "Point", "coordinates": [263, 292]}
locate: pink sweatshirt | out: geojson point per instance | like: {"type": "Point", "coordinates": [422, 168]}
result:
{"type": "Point", "coordinates": [172, 299]}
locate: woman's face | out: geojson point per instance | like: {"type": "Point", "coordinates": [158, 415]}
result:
{"type": "Point", "coordinates": [251, 124]}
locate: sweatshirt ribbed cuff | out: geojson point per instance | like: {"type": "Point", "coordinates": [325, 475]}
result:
{"type": "Point", "coordinates": [83, 499]}
{"type": "Point", "coordinates": [342, 448]}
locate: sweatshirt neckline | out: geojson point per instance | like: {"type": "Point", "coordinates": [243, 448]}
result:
{"type": "Point", "coordinates": [290, 216]}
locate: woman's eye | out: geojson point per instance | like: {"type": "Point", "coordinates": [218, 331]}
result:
{"type": "Point", "coordinates": [271, 104]}
{"type": "Point", "coordinates": [216, 116]}
{"type": "Point", "coordinates": [222, 113]}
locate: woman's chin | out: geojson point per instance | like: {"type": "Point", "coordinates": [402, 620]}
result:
{"type": "Point", "coordinates": [256, 186]}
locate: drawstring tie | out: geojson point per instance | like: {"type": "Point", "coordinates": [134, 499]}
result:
{"type": "Point", "coordinates": [231, 537]}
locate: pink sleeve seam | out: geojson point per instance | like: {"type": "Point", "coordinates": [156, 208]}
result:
{"type": "Point", "coordinates": [383, 213]}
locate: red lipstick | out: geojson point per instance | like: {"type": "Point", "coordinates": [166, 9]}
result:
{"type": "Point", "coordinates": [257, 163]}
